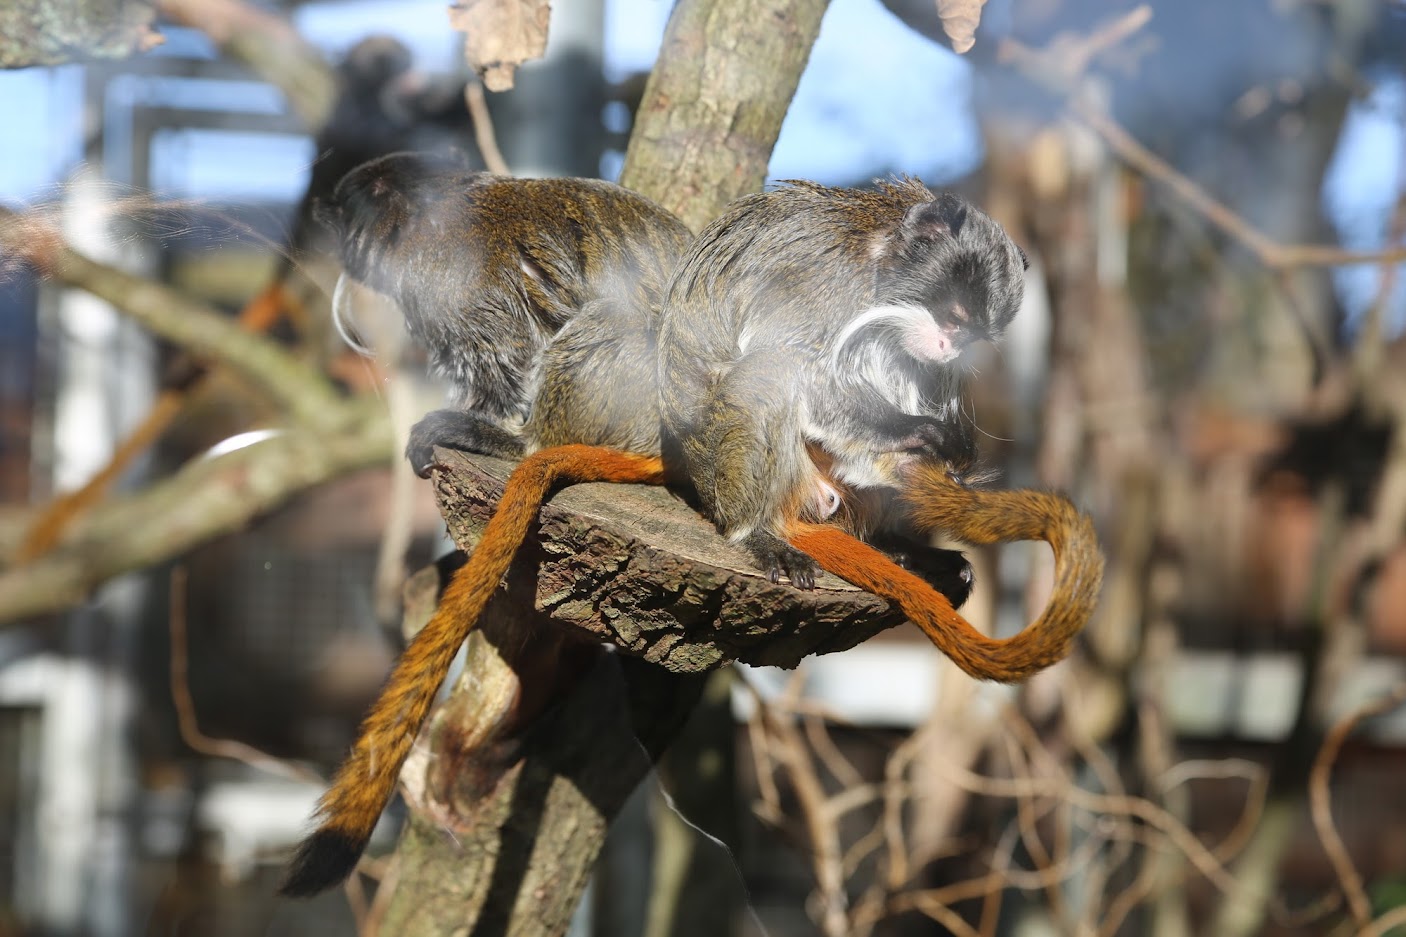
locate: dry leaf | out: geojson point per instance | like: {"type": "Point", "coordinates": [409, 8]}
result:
{"type": "Point", "coordinates": [499, 35]}
{"type": "Point", "coordinates": [959, 21]}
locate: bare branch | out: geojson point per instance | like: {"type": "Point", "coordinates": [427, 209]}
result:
{"type": "Point", "coordinates": [484, 134]}
{"type": "Point", "coordinates": [296, 388]}
{"type": "Point", "coordinates": [270, 47]}
{"type": "Point", "coordinates": [1321, 802]}
{"type": "Point", "coordinates": [186, 720]}
{"type": "Point", "coordinates": [205, 499]}
{"type": "Point", "coordinates": [1268, 251]}
{"type": "Point", "coordinates": [1061, 66]}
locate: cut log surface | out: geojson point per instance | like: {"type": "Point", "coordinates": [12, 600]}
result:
{"type": "Point", "coordinates": [637, 567]}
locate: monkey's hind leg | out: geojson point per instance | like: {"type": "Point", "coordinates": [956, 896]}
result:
{"type": "Point", "coordinates": [947, 571]}
{"type": "Point", "coordinates": [459, 429]}
{"type": "Point", "coordinates": [748, 464]}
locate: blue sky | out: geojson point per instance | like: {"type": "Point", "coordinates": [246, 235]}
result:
{"type": "Point", "coordinates": [875, 98]}
{"type": "Point", "coordinates": [838, 128]}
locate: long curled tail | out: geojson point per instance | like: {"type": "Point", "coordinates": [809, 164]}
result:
{"type": "Point", "coordinates": [365, 781]}
{"type": "Point", "coordinates": [936, 502]}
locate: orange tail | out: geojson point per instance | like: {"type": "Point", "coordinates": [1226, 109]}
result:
{"type": "Point", "coordinates": [935, 502]}
{"type": "Point", "coordinates": [364, 783]}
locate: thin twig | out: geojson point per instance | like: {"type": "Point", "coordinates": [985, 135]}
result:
{"type": "Point", "coordinates": [384, 891]}
{"type": "Point", "coordinates": [1320, 800]}
{"type": "Point", "coordinates": [826, 853]}
{"type": "Point", "coordinates": [484, 134]}
{"type": "Point", "coordinates": [1061, 66]}
{"type": "Point", "coordinates": [824, 747]}
{"type": "Point", "coordinates": [1269, 252]}
{"type": "Point", "coordinates": [356, 900]}
{"type": "Point", "coordinates": [185, 704]}
{"type": "Point", "coordinates": [1117, 910]}
{"type": "Point", "coordinates": [1177, 833]}
{"type": "Point", "coordinates": [997, 879]}
{"type": "Point", "coordinates": [1386, 923]}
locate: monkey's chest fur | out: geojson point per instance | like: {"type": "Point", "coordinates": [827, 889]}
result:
{"type": "Point", "coordinates": [873, 382]}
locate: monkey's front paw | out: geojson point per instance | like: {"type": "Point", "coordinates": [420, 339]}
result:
{"type": "Point", "coordinates": [778, 558]}
{"type": "Point", "coordinates": [951, 440]}
{"type": "Point", "coordinates": [457, 429]}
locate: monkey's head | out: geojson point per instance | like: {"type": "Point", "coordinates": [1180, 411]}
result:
{"type": "Point", "coordinates": [373, 62]}
{"type": "Point", "coordinates": [950, 260]}
{"type": "Point", "coordinates": [382, 203]}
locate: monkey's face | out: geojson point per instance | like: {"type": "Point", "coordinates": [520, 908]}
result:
{"type": "Point", "coordinates": [957, 275]}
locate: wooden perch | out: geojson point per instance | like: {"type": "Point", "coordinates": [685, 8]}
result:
{"type": "Point", "coordinates": [637, 567]}
{"type": "Point", "coordinates": [546, 733]}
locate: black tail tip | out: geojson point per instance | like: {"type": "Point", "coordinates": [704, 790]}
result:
{"type": "Point", "coordinates": [323, 860]}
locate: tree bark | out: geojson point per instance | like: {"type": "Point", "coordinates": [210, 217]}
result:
{"type": "Point", "coordinates": [713, 107]}
{"type": "Point", "coordinates": [507, 821]}
{"type": "Point", "coordinates": [546, 734]}
{"type": "Point", "coordinates": [52, 32]}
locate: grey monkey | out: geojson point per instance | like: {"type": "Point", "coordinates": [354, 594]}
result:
{"type": "Point", "coordinates": [520, 290]}
{"type": "Point", "coordinates": [808, 346]}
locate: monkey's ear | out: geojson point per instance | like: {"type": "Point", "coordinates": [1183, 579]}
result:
{"type": "Point", "coordinates": [325, 214]}
{"type": "Point", "coordinates": [1024, 260]}
{"type": "Point", "coordinates": [942, 217]}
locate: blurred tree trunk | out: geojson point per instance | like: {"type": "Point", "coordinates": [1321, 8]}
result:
{"type": "Point", "coordinates": [703, 135]}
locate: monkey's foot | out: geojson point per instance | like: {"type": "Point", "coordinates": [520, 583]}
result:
{"type": "Point", "coordinates": [947, 571]}
{"type": "Point", "coordinates": [778, 558]}
{"type": "Point", "coordinates": [947, 440]}
{"type": "Point", "coordinates": [458, 429]}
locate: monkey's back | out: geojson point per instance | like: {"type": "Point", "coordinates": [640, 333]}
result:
{"type": "Point", "coordinates": [487, 269]}
{"type": "Point", "coordinates": [774, 276]}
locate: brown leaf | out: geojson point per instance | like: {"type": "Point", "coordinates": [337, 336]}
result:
{"type": "Point", "coordinates": [959, 20]}
{"type": "Point", "coordinates": [499, 35]}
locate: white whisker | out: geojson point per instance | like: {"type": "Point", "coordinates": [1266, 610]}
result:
{"type": "Point", "coordinates": [341, 298]}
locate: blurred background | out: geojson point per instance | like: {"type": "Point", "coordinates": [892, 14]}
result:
{"type": "Point", "coordinates": [1210, 361]}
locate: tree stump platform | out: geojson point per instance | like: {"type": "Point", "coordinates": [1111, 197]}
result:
{"type": "Point", "coordinates": [548, 731]}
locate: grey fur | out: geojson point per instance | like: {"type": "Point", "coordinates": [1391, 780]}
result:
{"type": "Point", "coordinates": [488, 271]}
{"type": "Point", "coordinates": [758, 358]}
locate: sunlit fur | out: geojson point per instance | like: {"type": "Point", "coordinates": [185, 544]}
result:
{"type": "Point", "coordinates": [806, 315]}
{"type": "Point", "coordinates": [488, 269]}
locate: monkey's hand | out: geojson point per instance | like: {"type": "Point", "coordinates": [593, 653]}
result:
{"type": "Point", "coordinates": [947, 571]}
{"type": "Point", "coordinates": [950, 440]}
{"type": "Point", "coordinates": [459, 429]}
{"type": "Point", "coordinates": [776, 557]}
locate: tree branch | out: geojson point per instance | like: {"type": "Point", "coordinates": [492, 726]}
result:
{"type": "Point", "coordinates": [713, 106]}
{"type": "Point", "coordinates": [205, 499]}
{"type": "Point", "coordinates": [269, 47]}
{"type": "Point", "coordinates": [52, 32]}
{"type": "Point", "coordinates": [298, 390]}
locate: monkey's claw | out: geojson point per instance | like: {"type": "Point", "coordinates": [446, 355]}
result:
{"type": "Point", "coordinates": [457, 429]}
{"type": "Point", "coordinates": [778, 558]}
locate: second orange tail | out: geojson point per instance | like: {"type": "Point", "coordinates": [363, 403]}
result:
{"type": "Point", "coordinates": [936, 502]}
